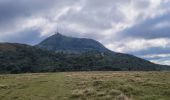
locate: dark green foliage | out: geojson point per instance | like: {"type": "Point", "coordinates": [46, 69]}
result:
{"type": "Point", "coordinates": [19, 58]}
{"type": "Point", "coordinates": [62, 53]}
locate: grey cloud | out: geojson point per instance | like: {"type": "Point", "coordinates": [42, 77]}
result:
{"type": "Point", "coordinates": [141, 4]}
{"type": "Point", "coordinates": [158, 58]}
{"type": "Point", "coordinates": [29, 36]}
{"type": "Point", "coordinates": [13, 11]}
{"type": "Point", "coordinates": [152, 50]}
{"type": "Point", "coordinates": [147, 29]}
{"type": "Point", "coordinates": [163, 61]}
{"type": "Point", "coordinates": [155, 51]}
{"type": "Point", "coordinates": [96, 14]}
{"type": "Point", "coordinates": [93, 16]}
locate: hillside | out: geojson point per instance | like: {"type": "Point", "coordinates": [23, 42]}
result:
{"type": "Point", "coordinates": [21, 58]}
{"type": "Point", "coordinates": [99, 56]}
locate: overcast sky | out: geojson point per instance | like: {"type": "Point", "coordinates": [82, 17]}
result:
{"type": "Point", "coordinates": [138, 27]}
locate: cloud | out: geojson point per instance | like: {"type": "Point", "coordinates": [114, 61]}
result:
{"type": "Point", "coordinates": [163, 61]}
{"type": "Point", "coordinates": [15, 13]}
{"type": "Point", "coordinates": [132, 45]}
{"type": "Point", "coordinates": [157, 27]}
{"type": "Point", "coordinates": [156, 56]}
{"type": "Point", "coordinates": [29, 36]}
{"type": "Point", "coordinates": [139, 27]}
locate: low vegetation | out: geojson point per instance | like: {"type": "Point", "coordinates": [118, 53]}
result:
{"type": "Point", "coordinates": [17, 58]}
{"type": "Point", "coordinates": [86, 86]}
{"type": "Point", "coordinates": [60, 53]}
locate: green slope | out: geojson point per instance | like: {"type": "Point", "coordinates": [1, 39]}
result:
{"type": "Point", "coordinates": [20, 58]}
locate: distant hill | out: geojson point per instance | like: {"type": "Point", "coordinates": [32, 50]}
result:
{"type": "Point", "coordinates": [74, 55]}
{"type": "Point", "coordinates": [17, 58]}
{"type": "Point", "coordinates": [61, 43]}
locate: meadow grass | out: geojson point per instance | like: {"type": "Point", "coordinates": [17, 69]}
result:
{"type": "Point", "coordinates": [86, 86]}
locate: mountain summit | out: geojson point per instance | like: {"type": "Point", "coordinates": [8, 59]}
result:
{"type": "Point", "coordinates": [68, 54]}
{"type": "Point", "coordinates": [66, 44]}
{"type": "Point", "coordinates": [90, 50]}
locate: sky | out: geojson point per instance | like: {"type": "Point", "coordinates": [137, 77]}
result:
{"type": "Point", "coordinates": [137, 27]}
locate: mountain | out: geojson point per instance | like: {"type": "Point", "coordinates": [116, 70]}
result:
{"type": "Point", "coordinates": [90, 56]}
{"type": "Point", "coordinates": [61, 43]}
{"type": "Point", "coordinates": [113, 60]}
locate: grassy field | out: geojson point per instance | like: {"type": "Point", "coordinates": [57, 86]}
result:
{"type": "Point", "coordinates": [86, 86]}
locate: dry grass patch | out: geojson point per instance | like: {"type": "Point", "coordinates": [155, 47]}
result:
{"type": "Point", "coordinates": [86, 86]}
